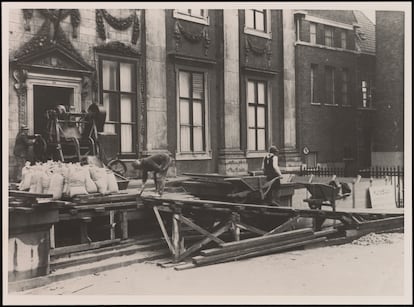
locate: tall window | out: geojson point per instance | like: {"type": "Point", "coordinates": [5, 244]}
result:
{"type": "Point", "coordinates": [313, 33]}
{"type": "Point", "coordinates": [329, 85]}
{"type": "Point", "coordinates": [343, 39]}
{"type": "Point", "coordinates": [191, 93]}
{"type": "Point", "coordinates": [329, 36]}
{"type": "Point", "coordinates": [256, 19]}
{"type": "Point", "coordinates": [118, 96]}
{"type": "Point", "coordinates": [345, 87]}
{"type": "Point", "coordinates": [313, 80]}
{"type": "Point", "coordinates": [366, 87]}
{"type": "Point", "coordinates": [256, 115]}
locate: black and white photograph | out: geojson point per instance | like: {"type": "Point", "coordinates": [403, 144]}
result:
{"type": "Point", "coordinates": [207, 153]}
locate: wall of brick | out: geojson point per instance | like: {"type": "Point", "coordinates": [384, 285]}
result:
{"type": "Point", "coordinates": [325, 129]}
{"type": "Point", "coordinates": [389, 135]}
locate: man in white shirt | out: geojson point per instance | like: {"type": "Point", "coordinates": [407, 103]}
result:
{"type": "Point", "coordinates": [271, 170]}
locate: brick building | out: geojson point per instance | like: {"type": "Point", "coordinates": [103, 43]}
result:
{"type": "Point", "coordinates": [389, 133]}
{"type": "Point", "coordinates": [215, 88]}
{"type": "Point", "coordinates": [335, 65]}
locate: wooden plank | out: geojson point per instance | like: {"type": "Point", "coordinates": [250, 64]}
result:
{"type": "Point", "coordinates": [28, 194]}
{"type": "Point", "coordinates": [250, 228]}
{"type": "Point", "coordinates": [200, 230]}
{"type": "Point", "coordinates": [250, 254]}
{"type": "Point", "coordinates": [105, 205]}
{"type": "Point", "coordinates": [200, 244]}
{"type": "Point", "coordinates": [270, 238]}
{"type": "Point", "coordinates": [176, 234]}
{"type": "Point", "coordinates": [164, 231]}
{"type": "Point", "coordinates": [52, 236]}
{"type": "Point", "coordinates": [112, 224]}
{"type": "Point", "coordinates": [233, 250]}
{"type": "Point", "coordinates": [285, 226]}
{"type": "Point", "coordinates": [81, 247]}
{"type": "Point", "coordinates": [21, 209]}
{"type": "Point", "coordinates": [382, 222]}
{"type": "Point", "coordinates": [185, 266]}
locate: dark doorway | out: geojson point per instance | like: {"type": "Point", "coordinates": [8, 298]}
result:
{"type": "Point", "coordinates": [46, 98]}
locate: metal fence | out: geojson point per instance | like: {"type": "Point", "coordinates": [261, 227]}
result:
{"type": "Point", "coordinates": [395, 175]}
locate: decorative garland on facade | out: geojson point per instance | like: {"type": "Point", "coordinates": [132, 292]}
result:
{"type": "Point", "coordinates": [20, 76]}
{"type": "Point", "coordinates": [193, 38]}
{"type": "Point", "coordinates": [59, 15]}
{"type": "Point", "coordinates": [259, 51]}
{"type": "Point", "coordinates": [120, 48]}
{"type": "Point", "coordinates": [120, 24]}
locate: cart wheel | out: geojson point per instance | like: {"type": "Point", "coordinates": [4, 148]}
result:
{"type": "Point", "coordinates": [117, 166]}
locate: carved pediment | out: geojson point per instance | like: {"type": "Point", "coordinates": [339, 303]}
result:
{"type": "Point", "coordinates": [47, 51]}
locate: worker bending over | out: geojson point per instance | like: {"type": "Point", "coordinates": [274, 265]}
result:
{"type": "Point", "coordinates": [271, 170]}
{"type": "Point", "coordinates": [157, 163]}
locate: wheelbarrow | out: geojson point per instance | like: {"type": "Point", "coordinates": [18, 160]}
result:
{"type": "Point", "coordinates": [323, 195]}
{"type": "Point", "coordinates": [250, 188]}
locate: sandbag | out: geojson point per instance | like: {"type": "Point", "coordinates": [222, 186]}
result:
{"type": "Point", "coordinates": [45, 181]}
{"type": "Point", "coordinates": [56, 186]}
{"type": "Point", "coordinates": [76, 181]}
{"type": "Point", "coordinates": [112, 184]}
{"type": "Point", "coordinates": [89, 183]}
{"type": "Point", "coordinates": [35, 183]}
{"type": "Point", "coordinates": [26, 179]}
{"type": "Point", "coordinates": [100, 178]}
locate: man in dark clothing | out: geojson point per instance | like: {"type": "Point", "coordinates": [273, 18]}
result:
{"type": "Point", "coordinates": [271, 170]}
{"type": "Point", "coordinates": [157, 163]}
{"type": "Point", "coordinates": [23, 149]}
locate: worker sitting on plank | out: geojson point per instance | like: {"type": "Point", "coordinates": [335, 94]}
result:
{"type": "Point", "coordinates": [157, 163]}
{"type": "Point", "coordinates": [271, 170]}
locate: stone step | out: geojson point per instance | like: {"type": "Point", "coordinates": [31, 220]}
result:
{"type": "Point", "coordinates": [98, 255]}
{"type": "Point", "coordinates": [88, 268]}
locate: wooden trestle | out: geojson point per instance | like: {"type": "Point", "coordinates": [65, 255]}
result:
{"type": "Point", "coordinates": [228, 220]}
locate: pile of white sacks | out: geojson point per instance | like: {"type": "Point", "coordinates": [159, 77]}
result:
{"type": "Point", "coordinates": [67, 179]}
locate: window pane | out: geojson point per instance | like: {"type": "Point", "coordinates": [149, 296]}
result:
{"type": "Point", "coordinates": [250, 92]}
{"type": "Point", "coordinates": [250, 117]}
{"type": "Point", "coordinates": [251, 139]}
{"type": "Point", "coordinates": [109, 69]}
{"type": "Point", "coordinates": [184, 84]}
{"type": "Point", "coordinates": [261, 93]}
{"type": "Point", "coordinates": [261, 141]}
{"type": "Point", "coordinates": [185, 138]}
{"type": "Point", "coordinates": [313, 33]}
{"type": "Point", "coordinates": [126, 138]}
{"type": "Point", "coordinates": [198, 86]}
{"type": "Point", "coordinates": [126, 77]}
{"type": "Point", "coordinates": [184, 112]}
{"type": "Point", "coordinates": [198, 139]}
{"type": "Point", "coordinates": [196, 12]}
{"type": "Point", "coordinates": [109, 128]}
{"type": "Point", "coordinates": [197, 114]}
{"type": "Point", "coordinates": [261, 118]}
{"type": "Point", "coordinates": [126, 109]}
{"type": "Point", "coordinates": [111, 106]}
{"type": "Point", "coordinates": [260, 21]}
{"type": "Point", "coordinates": [249, 18]}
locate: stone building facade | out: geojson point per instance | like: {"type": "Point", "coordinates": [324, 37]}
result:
{"type": "Point", "coordinates": [214, 88]}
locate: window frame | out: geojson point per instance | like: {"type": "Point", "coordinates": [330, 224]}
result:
{"type": "Point", "coordinates": [205, 20]}
{"type": "Point", "coordinates": [267, 33]}
{"type": "Point", "coordinates": [268, 94]}
{"type": "Point", "coordinates": [314, 84]}
{"type": "Point", "coordinates": [345, 72]}
{"type": "Point", "coordinates": [344, 37]}
{"type": "Point", "coordinates": [369, 92]}
{"type": "Point", "coordinates": [134, 99]}
{"type": "Point", "coordinates": [331, 91]}
{"type": "Point", "coordinates": [206, 153]}
{"type": "Point", "coordinates": [312, 25]}
{"type": "Point", "coordinates": [329, 29]}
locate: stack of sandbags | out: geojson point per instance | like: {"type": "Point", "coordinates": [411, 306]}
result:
{"type": "Point", "coordinates": [67, 179]}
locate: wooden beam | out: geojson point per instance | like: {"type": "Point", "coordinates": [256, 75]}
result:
{"type": "Point", "coordinates": [266, 250]}
{"type": "Point", "coordinates": [176, 235]}
{"type": "Point", "coordinates": [285, 226]}
{"type": "Point", "coordinates": [203, 242]}
{"type": "Point", "coordinates": [251, 228]}
{"type": "Point", "coordinates": [200, 230]}
{"type": "Point", "coordinates": [112, 224]}
{"type": "Point", "coordinates": [124, 224]}
{"type": "Point", "coordinates": [164, 231]}
{"type": "Point", "coordinates": [81, 247]}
